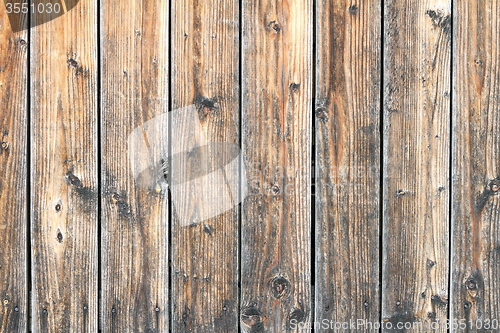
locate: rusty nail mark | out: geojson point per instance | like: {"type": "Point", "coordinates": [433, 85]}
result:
{"type": "Point", "coordinates": [113, 310]}
{"type": "Point", "coordinates": [423, 295]}
{"type": "Point", "coordinates": [72, 62]}
{"type": "Point", "coordinates": [441, 188]}
{"type": "Point", "coordinates": [45, 311]}
{"type": "Point", "coordinates": [400, 193]}
{"type": "Point", "coordinates": [276, 27]}
{"type": "Point", "coordinates": [22, 42]}
{"type": "Point", "coordinates": [59, 236]}
{"type": "Point", "coordinates": [478, 62]}
{"type": "Point", "coordinates": [353, 9]}
{"type": "Point", "coordinates": [5, 145]}
{"type": "Point", "coordinates": [207, 229]}
{"type": "Point", "coordinates": [431, 263]}
{"type": "Point", "coordinates": [467, 305]}
{"type": "Point", "coordinates": [322, 113]}
{"type": "Point", "coordinates": [431, 315]}
{"type": "Point", "coordinates": [365, 304]}
{"type": "Point", "coordinates": [494, 185]}
{"type": "Point", "coordinates": [275, 189]}
{"type": "Point", "coordinates": [115, 197]}
{"type": "Point", "coordinates": [184, 315]}
{"type": "Point", "coordinates": [224, 308]}
{"type": "Point", "coordinates": [294, 86]}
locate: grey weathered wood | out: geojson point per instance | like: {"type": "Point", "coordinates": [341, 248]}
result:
{"type": "Point", "coordinates": [64, 171]}
{"type": "Point", "coordinates": [417, 54]}
{"type": "Point", "coordinates": [476, 164]}
{"type": "Point", "coordinates": [348, 75]}
{"type": "Point", "coordinates": [277, 141]}
{"type": "Point", "coordinates": [134, 67]}
{"type": "Point", "coordinates": [13, 175]}
{"type": "Point", "coordinates": [205, 72]}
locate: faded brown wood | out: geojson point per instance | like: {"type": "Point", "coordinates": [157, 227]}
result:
{"type": "Point", "coordinates": [417, 54]}
{"type": "Point", "coordinates": [13, 179]}
{"type": "Point", "coordinates": [476, 165]}
{"type": "Point", "coordinates": [205, 72]}
{"type": "Point", "coordinates": [277, 143]}
{"type": "Point", "coordinates": [64, 171]}
{"type": "Point", "coordinates": [134, 67]}
{"type": "Point", "coordinates": [348, 160]}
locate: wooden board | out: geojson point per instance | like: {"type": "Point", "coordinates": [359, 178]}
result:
{"type": "Point", "coordinates": [13, 176]}
{"type": "Point", "coordinates": [277, 143]}
{"type": "Point", "coordinates": [64, 171]}
{"type": "Point", "coordinates": [348, 76]}
{"type": "Point", "coordinates": [416, 184]}
{"type": "Point", "coordinates": [205, 85]}
{"type": "Point", "coordinates": [476, 165]}
{"type": "Point", "coordinates": [134, 90]}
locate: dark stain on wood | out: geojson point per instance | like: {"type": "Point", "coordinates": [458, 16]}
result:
{"type": "Point", "coordinates": [252, 319]}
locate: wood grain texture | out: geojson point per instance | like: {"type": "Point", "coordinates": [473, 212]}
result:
{"type": "Point", "coordinates": [205, 75]}
{"type": "Point", "coordinates": [476, 164]}
{"type": "Point", "coordinates": [13, 177]}
{"type": "Point", "coordinates": [416, 162]}
{"type": "Point", "coordinates": [348, 76]}
{"type": "Point", "coordinates": [277, 142]}
{"type": "Point", "coordinates": [134, 67]}
{"type": "Point", "coordinates": [64, 171]}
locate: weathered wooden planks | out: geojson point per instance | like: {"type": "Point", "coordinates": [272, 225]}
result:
{"type": "Point", "coordinates": [476, 166]}
{"type": "Point", "coordinates": [348, 75]}
{"type": "Point", "coordinates": [134, 58]}
{"type": "Point", "coordinates": [64, 171]}
{"type": "Point", "coordinates": [205, 74]}
{"type": "Point", "coordinates": [13, 176]}
{"type": "Point", "coordinates": [276, 134]}
{"type": "Point", "coordinates": [416, 162]}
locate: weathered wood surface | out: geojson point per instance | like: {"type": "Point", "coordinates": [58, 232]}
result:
{"type": "Point", "coordinates": [347, 112]}
{"type": "Point", "coordinates": [104, 165]}
{"type": "Point", "coordinates": [134, 90]}
{"type": "Point", "coordinates": [205, 76]}
{"type": "Point", "coordinates": [476, 165]}
{"type": "Point", "coordinates": [64, 171]}
{"type": "Point", "coordinates": [276, 132]}
{"type": "Point", "coordinates": [416, 185]}
{"type": "Point", "coordinates": [13, 176]}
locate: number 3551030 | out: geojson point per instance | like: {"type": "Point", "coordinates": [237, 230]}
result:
{"type": "Point", "coordinates": [40, 8]}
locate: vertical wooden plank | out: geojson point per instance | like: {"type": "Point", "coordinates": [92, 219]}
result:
{"type": "Point", "coordinates": [64, 170]}
{"type": "Point", "coordinates": [348, 76]}
{"type": "Point", "coordinates": [476, 166]}
{"type": "Point", "coordinates": [205, 82]}
{"type": "Point", "coordinates": [13, 171]}
{"type": "Point", "coordinates": [276, 134]}
{"type": "Point", "coordinates": [417, 43]}
{"type": "Point", "coordinates": [134, 63]}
